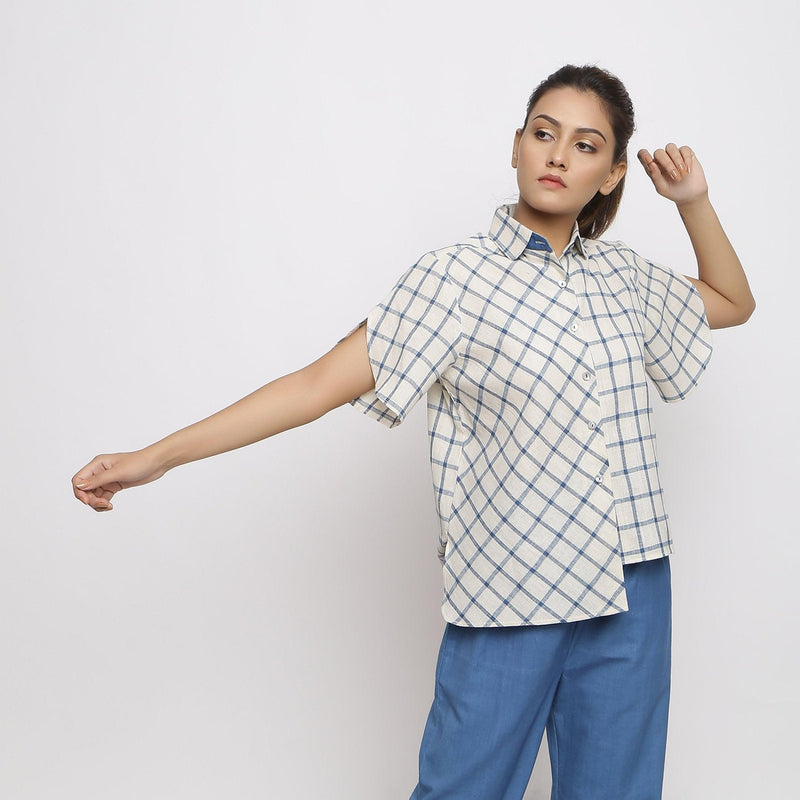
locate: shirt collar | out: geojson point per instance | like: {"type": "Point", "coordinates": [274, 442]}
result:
{"type": "Point", "coordinates": [512, 237]}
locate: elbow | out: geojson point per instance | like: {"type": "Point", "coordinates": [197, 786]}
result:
{"type": "Point", "coordinates": [746, 311]}
{"type": "Point", "coordinates": [737, 315]}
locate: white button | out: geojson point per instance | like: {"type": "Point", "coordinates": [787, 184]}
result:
{"type": "Point", "coordinates": [574, 327]}
{"type": "Point", "coordinates": [592, 425]}
{"type": "Point", "coordinates": [598, 478]}
{"type": "Point", "coordinates": [562, 284]}
{"type": "Point", "coordinates": [587, 376]}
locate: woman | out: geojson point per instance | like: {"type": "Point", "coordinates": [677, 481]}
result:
{"type": "Point", "coordinates": [532, 344]}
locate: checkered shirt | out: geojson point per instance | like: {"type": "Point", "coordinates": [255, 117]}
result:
{"type": "Point", "coordinates": [540, 424]}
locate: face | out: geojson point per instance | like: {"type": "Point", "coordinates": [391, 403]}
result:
{"type": "Point", "coordinates": [564, 156]}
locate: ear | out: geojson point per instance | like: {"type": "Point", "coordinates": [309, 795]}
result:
{"type": "Point", "coordinates": [614, 177]}
{"type": "Point", "coordinates": [515, 151]}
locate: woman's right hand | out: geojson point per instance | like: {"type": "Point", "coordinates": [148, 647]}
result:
{"type": "Point", "coordinates": [104, 476]}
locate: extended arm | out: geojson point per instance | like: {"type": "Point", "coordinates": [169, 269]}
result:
{"type": "Point", "coordinates": [678, 176]}
{"type": "Point", "coordinates": [338, 377]}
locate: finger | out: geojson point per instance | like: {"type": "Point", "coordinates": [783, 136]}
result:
{"type": "Point", "coordinates": [652, 169]}
{"type": "Point", "coordinates": [688, 156]}
{"type": "Point", "coordinates": [98, 472]}
{"type": "Point", "coordinates": [82, 480]}
{"type": "Point", "coordinates": [98, 499]}
{"type": "Point", "coordinates": [644, 156]}
{"type": "Point", "coordinates": [81, 495]}
{"type": "Point", "coordinates": [673, 151]}
{"type": "Point", "coordinates": [665, 164]}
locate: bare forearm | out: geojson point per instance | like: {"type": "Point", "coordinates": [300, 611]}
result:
{"type": "Point", "coordinates": [295, 399]}
{"type": "Point", "coordinates": [282, 404]}
{"type": "Point", "coordinates": [718, 266]}
{"type": "Point", "coordinates": [288, 402]}
{"type": "Point", "coordinates": [677, 175]}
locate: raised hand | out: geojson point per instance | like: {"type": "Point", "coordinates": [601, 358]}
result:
{"type": "Point", "coordinates": [676, 173]}
{"type": "Point", "coordinates": [106, 475]}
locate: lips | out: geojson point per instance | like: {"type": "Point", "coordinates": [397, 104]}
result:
{"type": "Point", "coordinates": [552, 181]}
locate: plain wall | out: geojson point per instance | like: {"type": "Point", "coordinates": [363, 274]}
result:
{"type": "Point", "coordinates": [197, 197]}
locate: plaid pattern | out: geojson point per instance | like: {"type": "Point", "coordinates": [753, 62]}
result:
{"type": "Point", "coordinates": [541, 441]}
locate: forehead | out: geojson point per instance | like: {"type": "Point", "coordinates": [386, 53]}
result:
{"type": "Point", "coordinates": [573, 109]}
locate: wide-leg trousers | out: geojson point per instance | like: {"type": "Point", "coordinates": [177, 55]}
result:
{"type": "Point", "coordinates": [599, 686]}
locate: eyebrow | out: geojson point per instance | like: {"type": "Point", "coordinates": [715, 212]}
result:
{"type": "Point", "coordinates": [579, 130]}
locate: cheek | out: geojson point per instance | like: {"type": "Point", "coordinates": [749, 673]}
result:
{"type": "Point", "coordinates": [526, 165]}
{"type": "Point", "coordinates": [596, 178]}
{"type": "Point", "coordinates": [527, 150]}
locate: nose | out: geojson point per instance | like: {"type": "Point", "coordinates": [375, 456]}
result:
{"type": "Point", "coordinates": [557, 157]}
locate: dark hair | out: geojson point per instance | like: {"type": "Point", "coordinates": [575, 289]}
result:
{"type": "Point", "coordinates": [599, 212]}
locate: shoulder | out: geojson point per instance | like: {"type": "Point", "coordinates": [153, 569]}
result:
{"type": "Point", "coordinates": [606, 249]}
{"type": "Point", "coordinates": [438, 273]}
{"type": "Point", "coordinates": [455, 262]}
{"type": "Point", "coordinates": [479, 244]}
{"type": "Point", "coordinates": [654, 282]}
{"type": "Point", "coordinates": [613, 257]}
{"type": "Point", "coordinates": [617, 256]}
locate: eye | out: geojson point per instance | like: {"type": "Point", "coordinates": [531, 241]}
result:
{"type": "Point", "coordinates": [586, 147]}
{"type": "Point", "coordinates": [542, 134]}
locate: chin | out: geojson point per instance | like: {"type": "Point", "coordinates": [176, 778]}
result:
{"type": "Point", "coordinates": [551, 206]}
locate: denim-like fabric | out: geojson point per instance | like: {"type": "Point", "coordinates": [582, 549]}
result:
{"type": "Point", "coordinates": [600, 686]}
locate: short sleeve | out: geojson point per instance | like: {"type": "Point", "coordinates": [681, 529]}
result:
{"type": "Point", "coordinates": [412, 338]}
{"type": "Point", "coordinates": [677, 336]}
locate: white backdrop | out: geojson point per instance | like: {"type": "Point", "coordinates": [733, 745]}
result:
{"type": "Point", "coordinates": [197, 197]}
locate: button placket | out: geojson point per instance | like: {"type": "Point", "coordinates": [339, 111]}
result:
{"type": "Point", "coordinates": [587, 375]}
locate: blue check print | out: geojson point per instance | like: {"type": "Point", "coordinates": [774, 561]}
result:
{"type": "Point", "coordinates": [542, 448]}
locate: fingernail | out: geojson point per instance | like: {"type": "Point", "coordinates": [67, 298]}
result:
{"type": "Point", "coordinates": [674, 174]}
{"type": "Point", "coordinates": [682, 166]}
{"type": "Point", "coordinates": [81, 485]}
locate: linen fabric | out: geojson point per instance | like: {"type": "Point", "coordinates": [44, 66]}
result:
{"type": "Point", "coordinates": [599, 686]}
{"type": "Point", "coordinates": [542, 447]}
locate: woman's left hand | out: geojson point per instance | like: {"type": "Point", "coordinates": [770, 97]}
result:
{"type": "Point", "coordinates": [676, 173]}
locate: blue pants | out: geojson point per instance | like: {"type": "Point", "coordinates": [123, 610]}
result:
{"type": "Point", "coordinates": [599, 686]}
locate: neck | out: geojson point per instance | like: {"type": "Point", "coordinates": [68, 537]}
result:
{"type": "Point", "coordinates": [557, 229]}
